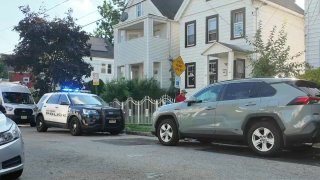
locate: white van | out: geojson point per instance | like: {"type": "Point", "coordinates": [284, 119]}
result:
{"type": "Point", "coordinates": [18, 102]}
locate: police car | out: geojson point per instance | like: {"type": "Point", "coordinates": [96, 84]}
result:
{"type": "Point", "coordinates": [79, 112]}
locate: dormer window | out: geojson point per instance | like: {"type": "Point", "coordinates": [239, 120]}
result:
{"type": "Point", "coordinates": [139, 9]}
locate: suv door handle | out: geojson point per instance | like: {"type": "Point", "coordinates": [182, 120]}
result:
{"type": "Point", "coordinates": [56, 107]}
{"type": "Point", "coordinates": [210, 108]}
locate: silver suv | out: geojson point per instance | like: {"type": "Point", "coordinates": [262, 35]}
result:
{"type": "Point", "coordinates": [266, 113]}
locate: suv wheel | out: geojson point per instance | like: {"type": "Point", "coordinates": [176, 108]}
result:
{"type": "Point", "coordinates": [264, 138]}
{"type": "Point", "coordinates": [167, 133]}
{"type": "Point", "coordinates": [41, 126]}
{"type": "Point", "coordinates": [75, 127]}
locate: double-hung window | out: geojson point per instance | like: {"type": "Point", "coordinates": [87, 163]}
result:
{"type": "Point", "coordinates": [190, 36]}
{"type": "Point", "coordinates": [109, 69]}
{"type": "Point", "coordinates": [139, 9]}
{"type": "Point", "coordinates": [190, 75]}
{"type": "Point", "coordinates": [212, 31]}
{"type": "Point", "coordinates": [103, 68]}
{"type": "Point", "coordinates": [238, 21]}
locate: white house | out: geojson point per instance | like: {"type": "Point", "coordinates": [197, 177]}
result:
{"type": "Point", "coordinates": [146, 39]}
{"type": "Point", "coordinates": [212, 36]}
{"type": "Point", "coordinates": [312, 31]}
{"type": "Point", "coordinates": [102, 61]}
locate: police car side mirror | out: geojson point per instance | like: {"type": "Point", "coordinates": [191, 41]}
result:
{"type": "Point", "coordinates": [2, 109]}
{"type": "Point", "coordinates": [64, 103]}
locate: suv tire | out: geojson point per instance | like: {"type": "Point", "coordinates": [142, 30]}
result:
{"type": "Point", "coordinates": [167, 132]}
{"type": "Point", "coordinates": [32, 123]}
{"type": "Point", "coordinates": [264, 138]}
{"type": "Point", "coordinates": [13, 175]}
{"type": "Point", "coordinates": [40, 124]}
{"type": "Point", "coordinates": [75, 127]}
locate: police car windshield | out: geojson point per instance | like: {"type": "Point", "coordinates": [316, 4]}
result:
{"type": "Point", "coordinates": [78, 99]}
{"type": "Point", "coordinates": [17, 98]}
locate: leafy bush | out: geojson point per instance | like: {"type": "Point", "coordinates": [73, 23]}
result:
{"type": "Point", "coordinates": [101, 88]}
{"type": "Point", "coordinates": [137, 89]}
{"type": "Point", "coordinates": [312, 75]}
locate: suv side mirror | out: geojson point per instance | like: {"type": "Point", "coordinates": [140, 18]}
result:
{"type": "Point", "coordinates": [64, 103]}
{"type": "Point", "coordinates": [2, 109]}
{"type": "Point", "coordinates": [192, 100]}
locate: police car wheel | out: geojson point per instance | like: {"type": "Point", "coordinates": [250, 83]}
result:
{"type": "Point", "coordinates": [75, 127]}
{"type": "Point", "coordinates": [40, 124]}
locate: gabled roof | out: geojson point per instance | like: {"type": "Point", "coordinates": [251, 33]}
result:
{"type": "Point", "coordinates": [100, 47]}
{"type": "Point", "coordinates": [290, 4]}
{"type": "Point", "coordinates": [168, 8]}
{"type": "Point", "coordinates": [219, 47]}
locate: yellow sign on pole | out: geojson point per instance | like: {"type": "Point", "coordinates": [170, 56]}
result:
{"type": "Point", "coordinates": [178, 66]}
{"type": "Point", "coordinates": [95, 79]}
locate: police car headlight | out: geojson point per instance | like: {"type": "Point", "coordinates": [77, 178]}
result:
{"type": "Point", "coordinates": [89, 111]}
{"type": "Point", "coordinates": [8, 108]}
{"type": "Point", "coordinates": [10, 135]}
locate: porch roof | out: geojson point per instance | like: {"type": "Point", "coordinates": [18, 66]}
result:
{"type": "Point", "coordinates": [219, 47]}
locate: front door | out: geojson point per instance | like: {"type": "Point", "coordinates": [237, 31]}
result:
{"type": "Point", "coordinates": [197, 118]}
{"type": "Point", "coordinates": [62, 110]}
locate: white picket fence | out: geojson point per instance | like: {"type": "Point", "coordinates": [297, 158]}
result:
{"type": "Point", "coordinates": [140, 112]}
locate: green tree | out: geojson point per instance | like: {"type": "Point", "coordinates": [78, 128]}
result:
{"type": "Point", "coordinates": [272, 58]}
{"type": "Point", "coordinates": [52, 50]}
{"type": "Point", "coordinates": [111, 13]}
{"type": "Point", "coordinates": [3, 69]}
{"type": "Point", "coordinates": [312, 75]}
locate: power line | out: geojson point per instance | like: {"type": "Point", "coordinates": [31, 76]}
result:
{"type": "Point", "coordinates": [55, 6]}
{"type": "Point", "coordinates": [92, 22]}
{"type": "Point", "coordinates": [7, 28]}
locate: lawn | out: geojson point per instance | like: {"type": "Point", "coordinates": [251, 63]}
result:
{"type": "Point", "coordinates": [139, 127]}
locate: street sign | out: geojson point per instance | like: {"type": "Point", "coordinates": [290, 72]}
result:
{"type": "Point", "coordinates": [177, 82]}
{"type": "Point", "coordinates": [95, 79]}
{"type": "Point", "coordinates": [178, 66]}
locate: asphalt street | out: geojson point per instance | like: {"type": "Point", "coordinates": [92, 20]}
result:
{"type": "Point", "coordinates": [58, 155]}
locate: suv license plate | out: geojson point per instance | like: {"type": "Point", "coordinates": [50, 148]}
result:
{"type": "Point", "coordinates": [24, 117]}
{"type": "Point", "coordinates": [112, 121]}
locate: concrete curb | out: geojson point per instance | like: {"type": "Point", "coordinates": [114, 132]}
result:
{"type": "Point", "coordinates": [138, 133]}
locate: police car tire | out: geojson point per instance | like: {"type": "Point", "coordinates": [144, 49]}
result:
{"type": "Point", "coordinates": [75, 127]}
{"type": "Point", "coordinates": [42, 127]}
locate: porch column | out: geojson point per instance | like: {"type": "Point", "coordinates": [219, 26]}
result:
{"type": "Point", "coordinates": [127, 71]}
{"type": "Point", "coordinates": [230, 64]}
{"type": "Point", "coordinates": [148, 33]}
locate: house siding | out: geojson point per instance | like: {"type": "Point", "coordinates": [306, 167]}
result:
{"type": "Point", "coordinates": [272, 16]}
{"type": "Point", "coordinates": [148, 50]}
{"type": "Point", "coordinates": [312, 31]}
{"type": "Point", "coordinates": [199, 10]}
{"type": "Point", "coordinates": [96, 63]}
{"type": "Point", "coordinates": [147, 8]}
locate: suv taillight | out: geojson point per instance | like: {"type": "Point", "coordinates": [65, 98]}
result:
{"type": "Point", "coordinates": [303, 100]}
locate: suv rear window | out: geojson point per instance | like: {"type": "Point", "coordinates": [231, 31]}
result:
{"type": "Point", "coordinates": [311, 88]}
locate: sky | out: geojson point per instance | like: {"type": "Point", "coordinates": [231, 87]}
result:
{"type": "Point", "coordinates": [83, 10]}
